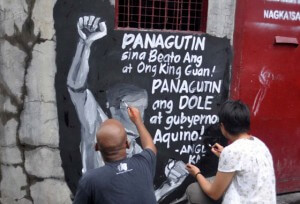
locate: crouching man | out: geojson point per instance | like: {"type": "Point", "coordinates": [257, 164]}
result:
{"type": "Point", "coordinates": [122, 180]}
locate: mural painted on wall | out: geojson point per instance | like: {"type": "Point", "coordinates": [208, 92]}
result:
{"type": "Point", "coordinates": [176, 80]}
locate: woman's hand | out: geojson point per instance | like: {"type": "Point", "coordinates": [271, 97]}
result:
{"type": "Point", "coordinates": [217, 149]}
{"type": "Point", "coordinates": [192, 169]}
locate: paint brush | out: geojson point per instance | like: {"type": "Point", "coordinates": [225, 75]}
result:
{"type": "Point", "coordinates": [126, 105]}
{"type": "Point", "coordinates": [214, 147]}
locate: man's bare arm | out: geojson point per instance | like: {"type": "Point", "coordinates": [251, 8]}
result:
{"type": "Point", "coordinates": [145, 136]}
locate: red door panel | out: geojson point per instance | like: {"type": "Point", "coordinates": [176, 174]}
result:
{"type": "Point", "coordinates": [266, 75]}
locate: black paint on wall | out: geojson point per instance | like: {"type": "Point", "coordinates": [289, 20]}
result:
{"type": "Point", "coordinates": [106, 70]}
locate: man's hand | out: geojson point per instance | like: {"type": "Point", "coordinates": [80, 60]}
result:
{"type": "Point", "coordinates": [192, 169]}
{"type": "Point", "coordinates": [90, 29]}
{"type": "Point", "coordinates": [134, 115]}
{"type": "Point", "coordinates": [146, 139]}
{"type": "Point", "coordinates": [217, 149]}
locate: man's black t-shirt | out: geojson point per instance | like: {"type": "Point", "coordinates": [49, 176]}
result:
{"type": "Point", "coordinates": [125, 181]}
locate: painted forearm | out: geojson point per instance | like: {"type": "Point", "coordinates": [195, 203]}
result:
{"type": "Point", "coordinates": [80, 66]}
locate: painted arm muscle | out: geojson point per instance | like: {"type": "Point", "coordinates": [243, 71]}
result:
{"type": "Point", "coordinates": [79, 70]}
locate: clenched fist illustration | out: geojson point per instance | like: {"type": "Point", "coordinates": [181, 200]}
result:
{"type": "Point", "coordinates": [91, 28]}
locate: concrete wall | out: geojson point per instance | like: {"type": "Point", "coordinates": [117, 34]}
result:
{"type": "Point", "coordinates": [31, 169]}
{"type": "Point", "coordinates": [30, 159]}
{"type": "Point", "coordinates": [220, 19]}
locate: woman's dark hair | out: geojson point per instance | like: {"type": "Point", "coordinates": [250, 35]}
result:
{"type": "Point", "coordinates": [235, 117]}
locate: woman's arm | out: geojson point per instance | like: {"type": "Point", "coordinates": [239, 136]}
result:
{"type": "Point", "coordinates": [216, 189]}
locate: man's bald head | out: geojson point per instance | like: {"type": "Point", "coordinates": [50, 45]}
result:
{"type": "Point", "coordinates": [111, 140]}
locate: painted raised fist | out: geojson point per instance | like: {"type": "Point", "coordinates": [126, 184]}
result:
{"type": "Point", "coordinates": [90, 28]}
{"type": "Point", "coordinates": [176, 173]}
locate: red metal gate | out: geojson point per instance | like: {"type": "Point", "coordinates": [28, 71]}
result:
{"type": "Point", "coordinates": [266, 75]}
